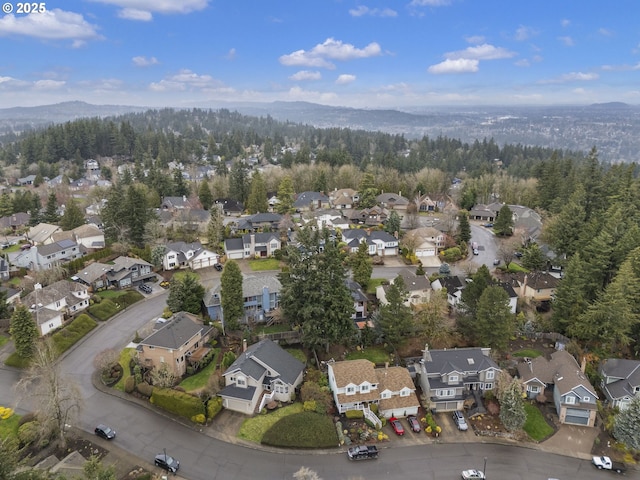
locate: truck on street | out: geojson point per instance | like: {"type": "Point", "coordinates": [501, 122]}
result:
{"type": "Point", "coordinates": [605, 463]}
{"type": "Point", "coordinates": [362, 452]}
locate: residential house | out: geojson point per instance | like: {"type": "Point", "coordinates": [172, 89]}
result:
{"type": "Point", "coordinates": [360, 302]}
{"type": "Point", "coordinates": [89, 236]}
{"type": "Point", "coordinates": [453, 286]}
{"type": "Point", "coordinates": [392, 201]}
{"type": "Point", "coordinates": [448, 377]}
{"type": "Point", "coordinates": [260, 222]}
{"type": "Point", "coordinates": [513, 296]}
{"type": "Point", "coordinates": [306, 201]}
{"type": "Point", "coordinates": [573, 395]}
{"type": "Point", "coordinates": [540, 286]}
{"type": "Point", "coordinates": [124, 272]}
{"type": "Point", "coordinates": [261, 294]}
{"type": "Point", "coordinates": [357, 384]}
{"type": "Point", "coordinates": [252, 245]}
{"type": "Point", "coordinates": [51, 305]}
{"type": "Point", "coordinates": [344, 199]}
{"type": "Point", "coordinates": [45, 257]}
{"type": "Point", "coordinates": [371, 217]}
{"type": "Point", "coordinates": [330, 219]}
{"type": "Point", "coordinates": [28, 180]}
{"type": "Point", "coordinates": [425, 241]}
{"type": "Point", "coordinates": [174, 204]}
{"type": "Point", "coordinates": [264, 372]}
{"type": "Point", "coordinates": [436, 203]}
{"type": "Point", "coordinates": [188, 255]}
{"type": "Point", "coordinates": [191, 220]}
{"type": "Point", "coordinates": [379, 242]}
{"type": "Point", "coordinates": [12, 295]}
{"type": "Point", "coordinates": [418, 288]}
{"type": "Point", "coordinates": [229, 206]}
{"type": "Point", "coordinates": [42, 233]}
{"type": "Point", "coordinates": [4, 270]}
{"type": "Point", "coordinates": [176, 344]}
{"type": "Point", "coordinates": [15, 222]}
{"type": "Point", "coordinates": [620, 381]}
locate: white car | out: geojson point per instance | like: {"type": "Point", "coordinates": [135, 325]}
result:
{"type": "Point", "coordinates": [472, 475]}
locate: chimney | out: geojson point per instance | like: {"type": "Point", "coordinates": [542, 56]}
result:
{"type": "Point", "coordinates": [244, 345]}
{"type": "Point", "coordinates": [583, 364]}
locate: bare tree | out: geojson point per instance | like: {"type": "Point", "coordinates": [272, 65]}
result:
{"type": "Point", "coordinates": [507, 250]}
{"type": "Point", "coordinates": [106, 359]}
{"type": "Point", "coordinates": [57, 397]}
{"type": "Point", "coordinates": [162, 377]}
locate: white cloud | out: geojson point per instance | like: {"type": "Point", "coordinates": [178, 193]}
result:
{"type": "Point", "coordinates": [48, 84]}
{"type": "Point", "coordinates": [135, 14]}
{"type": "Point", "coordinates": [429, 3]}
{"type": "Point", "coordinates": [345, 79]}
{"type": "Point", "coordinates": [187, 80]}
{"type": "Point", "coordinates": [567, 41]}
{"type": "Point", "coordinates": [572, 77]}
{"type": "Point", "coordinates": [474, 39]}
{"type": "Point", "coordinates": [565, 22]}
{"type": "Point", "coordinates": [362, 10]}
{"type": "Point", "coordinates": [522, 63]}
{"type": "Point", "coordinates": [305, 75]}
{"type": "Point", "coordinates": [144, 61]}
{"type": "Point", "coordinates": [53, 24]}
{"type": "Point", "coordinates": [320, 55]}
{"type": "Point", "coordinates": [480, 52]}
{"type": "Point", "coordinates": [621, 68]}
{"type": "Point", "coordinates": [524, 33]}
{"type": "Point", "coordinates": [297, 93]}
{"type": "Point", "coordinates": [460, 65]}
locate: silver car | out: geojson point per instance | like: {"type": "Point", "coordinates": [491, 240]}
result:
{"type": "Point", "coordinates": [458, 418]}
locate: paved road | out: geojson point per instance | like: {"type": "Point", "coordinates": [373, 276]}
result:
{"type": "Point", "coordinates": [487, 245]}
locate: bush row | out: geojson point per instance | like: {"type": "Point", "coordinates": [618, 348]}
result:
{"type": "Point", "coordinates": [74, 331]}
{"type": "Point", "coordinates": [180, 403]}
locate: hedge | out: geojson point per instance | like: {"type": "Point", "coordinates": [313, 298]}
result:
{"type": "Point", "coordinates": [103, 310]}
{"type": "Point", "coordinates": [63, 339]}
{"type": "Point", "coordinates": [177, 402]}
{"type": "Point", "coordinates": [214, 407]}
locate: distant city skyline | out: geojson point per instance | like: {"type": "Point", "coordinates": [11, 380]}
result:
{"type": "Point", "coordinates": [362, 54]}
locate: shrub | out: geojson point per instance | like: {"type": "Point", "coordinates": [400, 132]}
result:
{"type": "Point", "coordinates": [145, 389]}
{"type": "Point", "coordinates": [309, 406]}
{"type": "Point", "coordinates": [228, 358]}
{"type": "Point", "coordinates": [74, 331]}
{"type": "Point", "coordinates": [176, 402]}
{"type": "Point", "coordinates": [199, 418]}
{"type": "Point", "coordinates": [27, 418]}
{"type": "Point", "coordinates": [302, 430]}
{"type": "Point", "coordinates": [28, 433]}
{"type": "Point", "coordinates": [214, 407]}
{"type": "Point", "coordinates": [129, 384]}
{"type": "Point", "coordinates": [103, 310]}
{"type": "Point", "coordinates": [353, 414]}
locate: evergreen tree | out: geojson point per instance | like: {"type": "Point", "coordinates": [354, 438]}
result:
{"type": "Point", "coordinates": [204, 195]}
{"type": "Point", "coordinates": [395, 318]}
{"type": "Point", "coordinates": [473, 290]}
{"type": "Point", "coordinates": [368, 191]}
{"type": "Point", "coordinates": [35, 211]}
{"type": "Point", "coordinates": [495, 323]}
{"type": "Point", "coordinates": [185, 294]}
{"type": "Point", "coordinates": [238, 182]}
{"type": "Point", "coordinates": [362, 266]}
{"type": "Point", "coordinates": [285, 196]}
{"type": "Point", "coordinates": [72, 217]}
{"type": "Point", "coordinates": [135, 214]}
{"type": "Point", "coordinates": [512, 412]}
{"type": "Point", "coordinates": [180, 186]}
{"type": "Point", "coordinates": [570, 301]}
{"type": "Point", "coordinates": [24, 331]}
{"type": "Point", "coordinates": [625, 425]}
{"type": "Point", "coordinates": [393, 223]}
{"type": "Point", "coordinates": [257, 201]}
{"type": "Point", "coordinates": [464, 228]}
{"type": "Point", "coordinates": [232, 300]}
{"type": "Point", "coordinates": [6, 205]}
{"type": "Point", "coordinates": [51, 209]}
{"type": "Point", "coordinates": [503, 226]}
{"type": "Point", "coordinates": [215, 229]}
{"type": "Point", "coordinates": [533, 258]}
{"type": "Point", "coordinates": [563, 231]}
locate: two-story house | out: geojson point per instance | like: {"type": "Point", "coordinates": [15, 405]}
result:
{"type": "Point", "coordinates": [357, 384]}
{"type": "Point", "coordinates": [392, 201]}
{"type": "Point", "coordinates": [124, 272]}
{"type": "Point", "coordinates": [261, 294]}
{"type": "Point", "coordinates": [182, 336]}
{"type": "Point", "coordinates": [379, 242]}
{"type": "Point", "coordinates": [360, 302]}
{"type": "Point", "coordinates": [448, 377]}
{"type": "Point", "coordinates": [259, 222]}
{"type": "Point", "coordinates": [307, 201]}
{"type": "Point", "coordinates": [371, 217]}
{"type": "Point", "coordinates": [453, 285]}
{"type": "Point", "coordinates": [573, 395]}
{"type": "Point", "coordinates": [417, 287]}
{"type": "Point", "coordinates": [262, 373]}
{"type": "Point", "coordinates": [540, 286]}
{"type": "Point", "coordinates": [53, 304]}
{"type": "Point", "coordinates": [45, 257]}
{"type": "Point", "coordinates": [252, 245]}
{"type": "Point", "coordinates": [344, 199]}
{"type": "Point", "coordinates": [188, 255]}
{"type": "Point", "coordinates": [620, 381]}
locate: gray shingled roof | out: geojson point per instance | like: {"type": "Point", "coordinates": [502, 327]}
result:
{"type": "Point", "coordinates": [459, 360]}
{"type": "Point", "coordinates": [267, 354]}
{"type": "Point", "coordinates": [628, 373]}
{"type": "Point", "coordinates": [175, 333]}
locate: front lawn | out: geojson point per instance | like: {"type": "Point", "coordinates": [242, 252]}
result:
{"type": "Point", "coordinates": [302, 430]}
{"type": "Point", "coordinates": [263, 264]}
{"type": "Point", "coordinates": [199, 380]}
{"type": "Point", "coordinates": [9, 427]}
{"type": "Point", "coordinates": [375, 283]}
{"type": "Point", "coordinates": [66, 337]}
{"type": "Point", "coordinates": [125, 358]}
{"type": "Point", "coordinates": [527, 352]}
{"type": "Point", "coordinates": [253, 429]}
{"type": "Point", "coordinates": [536, 426]}
{"type": "Point", "coordinates": [376, 355]}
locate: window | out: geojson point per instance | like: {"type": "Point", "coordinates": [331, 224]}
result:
{"type": "Point", "coordinates": [586, 399]}
{"type": "Point", "coordinates": [404, 393]}
{"type": "Point", "coordinates": [487, 386]}
{"type": "Point", "coordinates": [491, 374]}
{"type": "Point", "coordinates": [534, 389]}
{"type": "Point", "coordinates": [453, 378]}
{"type": "Point", "coordinates": [570, 400]}
{"type": "Point", "coordinates": [447, 392]}
{"type": "Point", "coordinates": [364, 388]}
{"type": "Point", "coordinates": [385, 395]}
{"type": "Point", "coordinates": [350, 390]}
{"type": "Point", "coordinates": [241, 382]}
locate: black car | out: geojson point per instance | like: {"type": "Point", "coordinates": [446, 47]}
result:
{"type": "Point", "coordinates": [105, 432]}
{"type": "Point", "coordinates": [145, 288]}
{"type": "Point", "coordinates": [167, 462]}
{"type": "Point", "coordinates": [218, 267]}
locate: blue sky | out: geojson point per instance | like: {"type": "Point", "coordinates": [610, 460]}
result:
{"type": "Point", "coordinates": [366, 54]}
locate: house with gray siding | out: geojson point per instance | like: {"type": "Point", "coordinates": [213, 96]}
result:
{"type": "Point", "coordinates": [620, 381]}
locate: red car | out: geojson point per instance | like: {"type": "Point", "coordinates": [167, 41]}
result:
{"type": "Point", "coordinates": [396, 425]}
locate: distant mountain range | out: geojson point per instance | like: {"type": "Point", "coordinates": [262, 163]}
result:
{"type": "Point", "coordinates": [613, 128]}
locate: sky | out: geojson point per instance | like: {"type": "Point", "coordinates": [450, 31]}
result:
{"type": "Point", "coordinates": [355, 53]}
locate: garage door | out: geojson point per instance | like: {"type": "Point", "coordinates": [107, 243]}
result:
{"type": "Point", "coordinates": [446, 406]}
{"type": "Point", "coordinates": [576, 417]}
{"type": "Point", "coordinates": [235, 255]}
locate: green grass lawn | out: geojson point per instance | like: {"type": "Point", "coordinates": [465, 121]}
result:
{"type": "Point", "coordinates": [125, 355]}
{"type": "Point", "coordinates": [253, 429]}
{"type": "Point", "coordinates": [264, 264]}
{"type": "Point", "coordinates": [9, 427]}
{"type": "Point", "coordinates": [515, 268]}
{"type": "Point", "coordinates": [374, 354]}
{"type": "Point", "coordinates": [535, 426]}
{"type": "Point", "coordinates": [15, 360]}
{"type": "Point", "coordinates": [111, 294]}
{"type": "Point", "coordinates": [297, 353]}
{"type": "Point", "coordinates": [302, 430]}
{"type": "Point", "coordinates": [284, 327]}
{"type": "Point", "coordinates": [373, 284]}
{"type": "Point", "coordinates": [200, 379]}
{"type": "Point", "coordinates": [527, 352]}
{"type": "Point", "coordinates": [3, 340]}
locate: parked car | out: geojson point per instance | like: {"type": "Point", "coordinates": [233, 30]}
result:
{"type": "Point", "coordinates": [218, 267]}
{"type": "Point", "coordinates": [472, 475]}
{"type": "Point", "coordinates": [476, 252]}
{"type": "Point", "coordinates": [167, 462]}
{"type": "Point", "coordinates": [488, 225]}
{"type": "Point", "coordinates": [105, 432]}
{"type": "Point", "coordinates": [362, 452]}
{"type": "Point", "coordinates": [396, 425]}
{"type": "Point", "coordinates": [605, 463]}
{"type": "Point", "coordinates": [496, 261]}
{"type": "Point", "coordinates": [458, 419]}
{"type": "Point", "coordinates": [145, 288]}
{"type": "Point", "coordinates": [517, 254]}
{"type": "Point", "coordinates": [414, 424]}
